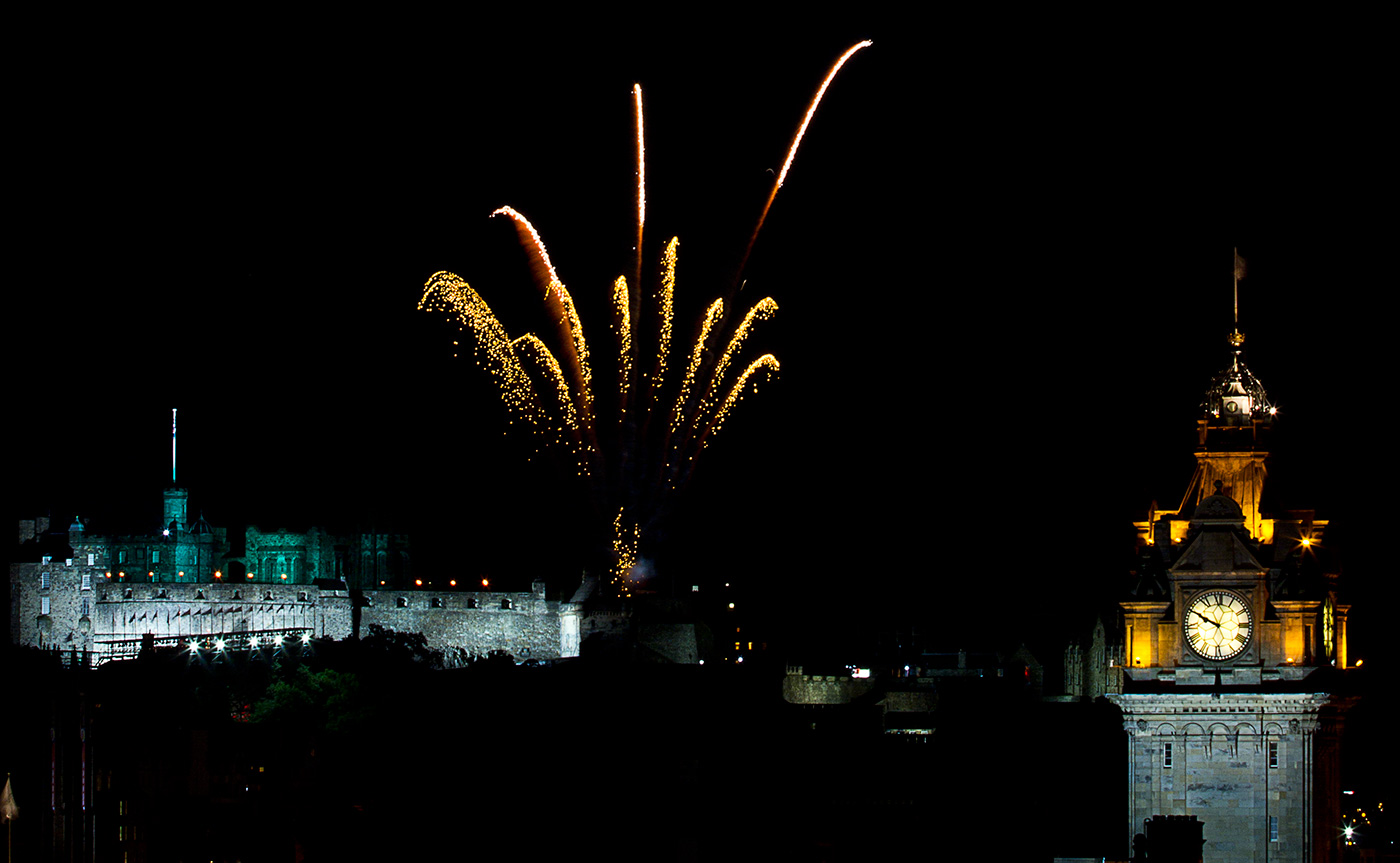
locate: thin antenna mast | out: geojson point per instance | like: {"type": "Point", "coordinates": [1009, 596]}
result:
{"type": "Point", "coordinates": [172, 445]}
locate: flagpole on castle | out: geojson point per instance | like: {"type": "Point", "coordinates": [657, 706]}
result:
{"type": "Point", "coordinates": [172, 446]}
{"type": "Point", "coordinates": [8, 813]}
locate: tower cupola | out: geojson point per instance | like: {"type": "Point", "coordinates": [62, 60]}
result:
{"type": "Point", "coordinates": [1235, 396]}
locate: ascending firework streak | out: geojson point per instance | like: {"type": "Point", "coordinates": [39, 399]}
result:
{"type": "Point", "coordinates": [647, 455]}
{"type": "Point", "coordinates": [792, 151]}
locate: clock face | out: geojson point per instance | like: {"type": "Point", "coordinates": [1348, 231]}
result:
{"type": "Point", "coordinates": [1218, 624]}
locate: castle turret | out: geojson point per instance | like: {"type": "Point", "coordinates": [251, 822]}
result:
{"type": "Point", "coordinates": [176, 512]}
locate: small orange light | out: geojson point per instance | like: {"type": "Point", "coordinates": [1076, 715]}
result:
{"type": "Point", "coordinates": [284, 576]}
{"type": "Point", "coordinates": [453, 582]}
{"type": "Point", "coordinates": [486, 582]}
{"type": "Point", "coordinates": [418, 581]}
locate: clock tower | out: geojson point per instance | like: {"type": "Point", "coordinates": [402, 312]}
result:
{"type": "Point", "coordinates": [1235, 640]}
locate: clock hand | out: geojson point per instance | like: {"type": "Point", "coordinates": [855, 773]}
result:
{"type": "Point", "coordinates": [1206, 619]}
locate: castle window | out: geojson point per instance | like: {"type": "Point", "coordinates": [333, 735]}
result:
{"type": "Point", "coordinates": [1166, 756]}
{"type": "Point", "coordinates": [473, 602]}
{"type": "Point", "coordinates": [92, 559]}
{"type": "Point", "coordinates": [43, 605]}
{"type": "Point", "coordinates": [435, 602]}
{"type": "Point", "coordinates": [199, 594]}
{"type": "Point", "coordinates": [1273, 755]}
{"type": "Point", "coordinates": [403, 602]}
{"type": "Point", "coordinates": [87, 581]}
{"type": "Point", "coordinates": [126, 594]}
{"type": "Point", "coordinates": [155, 555]}
{"type": "Point", "coordinates": [301, 596]}
{"type": "Point", "coordinates": [44, 581]}
{"type": "Point", "coordinates": [121, 556]}
{"type": "Point", "coordinates": [507, 605]}
{"type": "Point", "coordinates": [1273, 828]}
{"type": "Point", "coordinates": [161, 594]}
{"type": "Point", "coordinates": [238, 594]}
{"type": "Point", "coordinates": [86, 608]}
{"type": "Point", "coordinates": [267, 595]}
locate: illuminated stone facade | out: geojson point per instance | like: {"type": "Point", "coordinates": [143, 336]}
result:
{"type": "Point", "coordinates": [95, 597]}
{"type": "Point", "coordinates": [1235, 641]}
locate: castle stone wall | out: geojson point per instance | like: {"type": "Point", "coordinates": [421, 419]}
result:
{"type": "Point", "coordinates": [524, 624]}
{"type": "Point", "coordinates": [531, 627]}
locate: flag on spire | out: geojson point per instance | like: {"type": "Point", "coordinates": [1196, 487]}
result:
{"type": "Point", "coordinates": [1239, 265]}
{"type": "Point", "coordinates": [8, 810]}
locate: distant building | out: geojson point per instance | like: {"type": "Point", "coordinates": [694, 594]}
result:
{"type": "Point", "coordinates": [96, 597]}
{"type": "Point", "coordinates": [1234, 642]}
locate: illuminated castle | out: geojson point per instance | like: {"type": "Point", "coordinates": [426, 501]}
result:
{"type": "Point", "coordinates": [1235, 642]}
{"type": "Point", "coordinates": [96, 597]}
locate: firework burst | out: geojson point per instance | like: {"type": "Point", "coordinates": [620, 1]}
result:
{"type": "Point", "coordinates": [635, 465]}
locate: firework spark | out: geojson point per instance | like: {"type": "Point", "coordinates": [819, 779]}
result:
{"type": "Point", "coordinates": [631, 475]}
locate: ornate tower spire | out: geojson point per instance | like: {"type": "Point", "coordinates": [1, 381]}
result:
{"type": "Point", "coordinates": [1235, 396]}
{"type": "Point", "coordinates": [1236, 416]}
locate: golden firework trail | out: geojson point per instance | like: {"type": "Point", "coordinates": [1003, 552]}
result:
{"type": "Point", "coordinates": [560, 306]}
{"type": "Point", "coordinates": [666, 307]}
{"type": "Point", "coordinates": [796, 141]}
{"type": "Point", "coordinates": [635, 311]}
{"type": "Point", "coordinates": [622, 316]}
{"type": "Point", "coordinates": [697, 355]}
{"type": "Point", "coordinates": [633, 474]}
{"type": "Point", "coordinates": [736, 393]}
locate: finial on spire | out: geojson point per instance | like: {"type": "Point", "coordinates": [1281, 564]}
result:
{"type": "Point", "coordinates": [1235, 396]}
{"type": "Point", "coordinates": [1236, 337]}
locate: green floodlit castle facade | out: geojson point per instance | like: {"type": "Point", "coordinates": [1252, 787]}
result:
{"type": "Point", "coordinates": [95, 598]}
{"type": "Point", "coordinates": [1235, 640]}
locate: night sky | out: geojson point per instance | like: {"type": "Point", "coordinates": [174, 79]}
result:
{"type": "Point", "coordinates": [1003, 272]}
